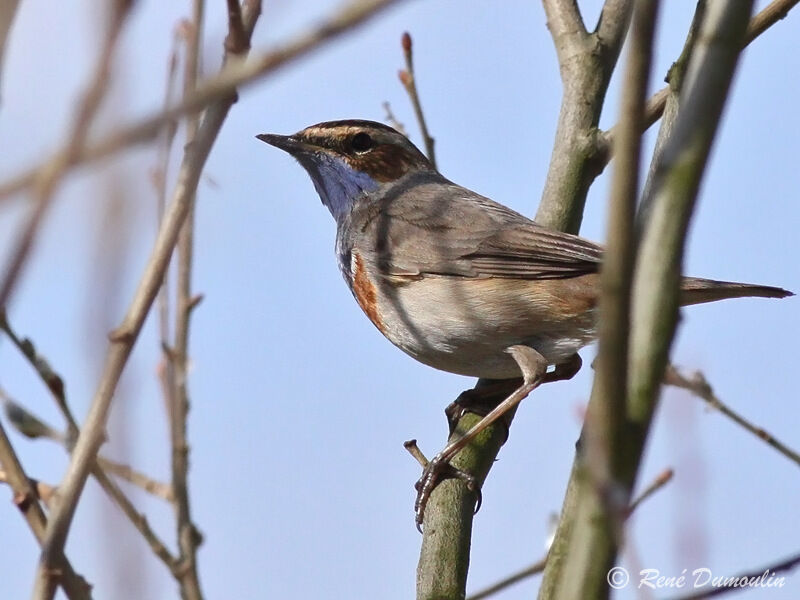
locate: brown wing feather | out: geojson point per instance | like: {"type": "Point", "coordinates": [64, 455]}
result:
{"type": "Point", "coordinates": [438, 228]}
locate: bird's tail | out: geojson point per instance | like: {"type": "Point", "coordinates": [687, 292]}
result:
{"type": "Point", "coordinates": [698, 291]}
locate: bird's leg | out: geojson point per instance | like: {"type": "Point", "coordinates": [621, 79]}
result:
{"type": "Point", "coordinates": [488, 393]}
{"type": "Point", "coordinates": [534, 368]}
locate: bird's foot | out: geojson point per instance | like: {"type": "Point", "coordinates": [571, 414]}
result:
{"type": "Point", "coordinates": [437, 470]}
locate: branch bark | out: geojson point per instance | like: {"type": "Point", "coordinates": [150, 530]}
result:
{"type": "Point", "coordinates": [586, 550]}
{"type": "Point", "coordinates": [577, 566]}
{"type": "Point", "coordinates": [586, 62]}
{"type": "Point", "coordinates": [235, 74]}
{"type": "Point", "coordinates": [123, 338]}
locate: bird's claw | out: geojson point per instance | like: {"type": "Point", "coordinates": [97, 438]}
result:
{"type": "Point", "coordinates": [437, 470]}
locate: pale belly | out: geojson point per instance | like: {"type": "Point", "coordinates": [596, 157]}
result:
{"type": "Point", "coordinates": [464, 326]}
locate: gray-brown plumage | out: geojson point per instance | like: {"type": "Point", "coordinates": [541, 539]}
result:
{"type": "Point", "coordinates": [449, 276]}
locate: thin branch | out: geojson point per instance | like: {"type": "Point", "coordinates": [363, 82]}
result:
{"type": "Point", "coordinates": [187, 535]}
{"type": "Point", "coordinates": [47, 180]}
{"type": "Point", "coordinates": [123, 338]}
{"type": "Point", "coordinates": [603, 465]}
{"type": "Point", "coordinates": [33, 427]}
{"type": "Point", "coordinates": [45, 492]}
{"type": "Point", "coordinates": [675, 78]}
{"type": "Point", "coordinates": [659, 482]}
{"type": "Point", "coordinates": [160, 178]}
{"type": "Point", "coordinates": [392, 120]}
{"type": "Point", "coordinates": [27, 501]}
{"type": "Point", "coordinates": [53, 381]}
{"type": "Point", "coordinates": [774, 12]}
{"type": "Point", "coordinates": [763, 574]}
{"type": "Point", "coordinates": [8, 10]}
{"type": "Point", "coordinates": [606, 422]}
{"type": "Point", "coordinates": [409, 80]}
{"type": "Point", "coordinates": [137, 478]}
{"type": "Point", "coordinates": [237, 73]}
{"type": "Point", "coordinates": [583, 534]}
{"type": "Point", "coordinates": [138, 519]}
{"type": "Point", "coordinates": [499, 586]}
{"type": "Point", "coordinates": [699, 386]}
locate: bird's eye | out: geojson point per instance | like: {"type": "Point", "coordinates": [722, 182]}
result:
{"type": "Point", "coordinates": [361, 142]}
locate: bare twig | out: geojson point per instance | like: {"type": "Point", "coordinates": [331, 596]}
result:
{"type": "Point", "coordinates": [47, 179]}
{"type": "Point", "coordinates": [188, 537]}
{"type": "Point", "coordinates": [26, 499]}
{"type": "Point", "coordinates": [606, 475]}
{"type": "Point", "coordinates": [699, 386]}
{"type": "Point", "coordinates": [586, 61]}
{"type": "Point", "coordinates": [160, 180]}
{"type": "Point", "coordinates": [774, 12]}
{"type": "Point", "coordinates": [534, 569]}
{"type": "Point", "coordinates": [764, 574]}
{"type": "Point", "coordinates": [409, 80]}
{"type": "Point", "coordinates": [659, 482]}
{"type": "Point", "coordinates": [8, 10]}
{"type": "Point", "coordinates": [45, 492]}
{"type": "Point", "coordinates": [499, 586]}
{"type": "Point", "coordinates": [123, 338]}
{"type": "Point", "coordinates": [139, 520]}
{"type": "Point", "coordinates": [590, 549]}
{"type": "Point", "coordinates": [392, 120]}
{"type": "Point", "coordinates": [413, 450]}
{"type": "Point", "coordinates": [235, 74]}
{"type": "Point", "coordinates": [137, 478]}
{"type": "Point", "coordinates": [53, 381]}
{"type": "Point", "coordinates": [32, 426]}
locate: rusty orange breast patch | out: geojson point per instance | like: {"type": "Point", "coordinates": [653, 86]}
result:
{"type": "Point", "coordinates": [365, 292]}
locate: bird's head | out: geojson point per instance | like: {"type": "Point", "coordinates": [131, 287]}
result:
{"type": "Point", "coordinates": [348, 159]}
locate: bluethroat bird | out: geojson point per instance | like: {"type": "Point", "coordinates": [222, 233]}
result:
{"type": "Point", "coordinates": [452, 278]}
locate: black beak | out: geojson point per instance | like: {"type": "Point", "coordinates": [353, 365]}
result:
{"type": "Point", "coordinates": [286, 143]}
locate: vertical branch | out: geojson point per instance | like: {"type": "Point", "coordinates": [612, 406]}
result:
{"type": "Point", "coordinates": [580, 559]}
{"type": "Point", "coordinates": [586, 62]}
{"type": "Point", "coordinates": [8, 10]}
{"type": "Point", "coordinates": [188, 537]}
{"type": "Point", "coordinates": [123, 338]}
{"type": "Point", "coordinates": [27, 500]}
{"type": "Point", "coordinates": [409, 80]}
{"type": "Point", "coordinates": [586, 544]}
{"type": "Point", "coordinates": [47, 181]}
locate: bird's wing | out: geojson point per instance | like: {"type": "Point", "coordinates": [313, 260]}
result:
{"type": "Point", "coordinates": [436, 229]}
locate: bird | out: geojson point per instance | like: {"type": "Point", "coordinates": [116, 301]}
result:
{"type": "Point", "coordinates": [456, 280]}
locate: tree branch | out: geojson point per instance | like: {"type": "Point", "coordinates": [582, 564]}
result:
{"type": "Point", "coordinates": [123, 338]}
{"type": "Point", "coordinates": [578, 564]}
{"type": "Point", "coordinates": [27, 501]}
{"type": "Point", "coordinates": [659, 482]}
{"type": "Point", "coordinates": [8, 10]}
{"type": "Point", "coordinates": [47, 180]}
{"type": "Point", "coordinates": [409, 80]}
{"type": "Point", "coordinates": [189, 539]}
{"type": "Point", "coordinates": [235, 74]}
{"type": "Point", "coordinates": [699, 386]}
{"type": "Point", "coordinates": [774, 12]}
{"type": "Point", "coordinates": [788, 564]}
{"type": "Point", "coordinates": [586, 62]}
{"type": "Point", "coordinates": [591, 549]}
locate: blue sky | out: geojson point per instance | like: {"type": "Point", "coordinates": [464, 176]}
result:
{"type": "Point", "coordinates": [299, 480]}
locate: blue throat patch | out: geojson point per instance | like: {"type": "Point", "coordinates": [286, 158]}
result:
{"type": "Point", "coordinates": [336, 182]}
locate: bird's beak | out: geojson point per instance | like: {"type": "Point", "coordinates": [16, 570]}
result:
{"type": "Point", "coordinates": [286, 143]}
